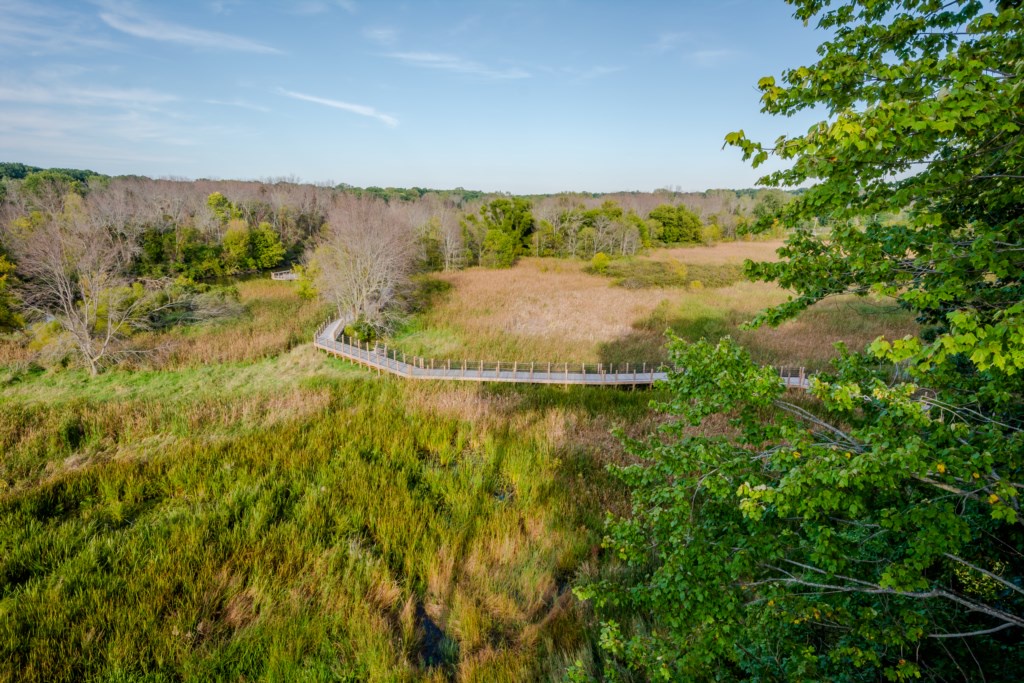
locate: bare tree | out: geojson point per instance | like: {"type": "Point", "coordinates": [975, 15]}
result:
{"type": "Point", "coordinates": [74, 271]}
{"type": "Point", "coordinates": [365, 258]}
{"type": "Point", "coordinates": [452, 248]}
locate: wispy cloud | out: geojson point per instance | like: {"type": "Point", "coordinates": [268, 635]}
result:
{"type": "Point", "coordinates": [667, 42]}
{"type": "Point", "coordinates": [443, 62]}
{"type": "Point", "coordinates": [321, 6]}
{"type": "Point", "coordinates": [384, 35]}
{"type": "Point", "coordinates": [37, 28]}
{"type": "Point", "coordinates": [78, 133]}
{"type": "Point", "coordinates": [242, 104]}
{"type": "Point", "coordinates": [58, 94]}
{"type": "Point", "coordinates": [713, 57]}
{"type": "Point", "coordinates": [224, 6]}
{"type": "Point", "coordinates": [128, 20]}
{"type": "Point", "coordinates": [360, 109]}
{"type": "Point", "coordinates": [592, 72]}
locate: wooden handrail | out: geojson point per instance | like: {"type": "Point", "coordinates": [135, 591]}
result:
{"type": "Point", "coordinates": [330, 337]}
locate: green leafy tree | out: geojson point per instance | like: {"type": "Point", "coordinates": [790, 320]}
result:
{"type": "Point", "coordinates": [875, 533]}
{"type": "Point", "coordinates": [244, 249]}
{"type": "Point", "coordinates": [236, 247]}
{"type": "Point", "coordinates": [499, 232]}
{"type": "Point", "coordinates": [222, 208]}
{"type": "Point", "coordinates": [676, 224]}
{"type": "Point", "coordinates": [47, 191]}
{"type": "Point", "coordinates": [266, 247]}
{"type": "Point", "coordinates": [9, 317]}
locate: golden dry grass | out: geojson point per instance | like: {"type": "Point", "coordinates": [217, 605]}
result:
{"type": "Point", "coordinates": [275, 320]}
{"type": "Point", "coordinates": [550, 310]}
{"type": "Point", "coordinates": [724, 252]}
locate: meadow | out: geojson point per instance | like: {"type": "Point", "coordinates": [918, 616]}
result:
{"type": "Point", "coordinates": [553, 310]}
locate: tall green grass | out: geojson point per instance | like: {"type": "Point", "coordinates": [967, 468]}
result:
{"type": "Point", "coordinates": [302, 525]}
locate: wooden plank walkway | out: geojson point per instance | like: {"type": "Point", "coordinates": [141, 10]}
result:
{"type": "Point", "coordinates": [381, 358]}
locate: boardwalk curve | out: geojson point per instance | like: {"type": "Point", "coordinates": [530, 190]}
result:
{"type": "Point", "coordinates": [329, 337]}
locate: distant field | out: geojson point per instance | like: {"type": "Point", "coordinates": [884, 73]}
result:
{"type": "Point", "coordinates": [551, 310]}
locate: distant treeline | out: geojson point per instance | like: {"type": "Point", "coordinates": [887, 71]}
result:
{"type": "Point", "coordinates": [129, 244]}
{"type": "Point", "coordinates": [206, 228]}
{"type": "Point", "coordinates": [18, 171]}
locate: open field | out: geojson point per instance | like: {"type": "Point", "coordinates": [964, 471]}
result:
{"type": "Point", "coordinates": [551, 310]}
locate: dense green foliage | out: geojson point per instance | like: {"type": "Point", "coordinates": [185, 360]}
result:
{"type": "Point", "coordinates": [676, 224]}
{"type": "Point", "coordinates": [19, 171]}
{"type": "Point", "coordinates": [875, 532]}
{"type": "Point", "coordinates": [498, 233]}
{"type": "Point", "coordinates": [169, 249]}
{"type": "Point", "coordinates": [9, 318]}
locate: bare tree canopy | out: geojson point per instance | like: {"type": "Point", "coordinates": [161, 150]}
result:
{"type": "Point", "coordinates": [365, 257]}
{"type": "Point", "coordinates": [75, 263]}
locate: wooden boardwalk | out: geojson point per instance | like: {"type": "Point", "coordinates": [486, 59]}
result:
{"type": "Point", "coordinates": [379, 357]}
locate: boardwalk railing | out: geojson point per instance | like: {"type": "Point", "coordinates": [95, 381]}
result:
{"type": "Point", "coordinates": [284, 275]}
{"type": "Point", "coordinates": [329, 337]}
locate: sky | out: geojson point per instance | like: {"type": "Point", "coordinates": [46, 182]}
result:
{"type": "Point", "coordinates": [513, 96]}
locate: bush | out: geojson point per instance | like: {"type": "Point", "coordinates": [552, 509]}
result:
{"type": "Point", "coordinates": [361, 330]}
{"type": "Point", "coordinates": [599, 264]}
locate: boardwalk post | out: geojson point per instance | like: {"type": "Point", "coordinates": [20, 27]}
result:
{"type": "Point", "coordinates": [515, 369]}
{"type": "Point", "coordinates": [463, 367]}
{"type": "Point", "coordinates": [481, 369]}
{"type": "Point", "coordinates": [531, 371]}
{"type": "Point", "coordinates": [801, 378]}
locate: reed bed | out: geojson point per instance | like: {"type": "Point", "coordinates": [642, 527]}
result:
{"type": "Point", "coordinates": [550, 310]}
{"type": "Point", "coordinates": [299, 522]}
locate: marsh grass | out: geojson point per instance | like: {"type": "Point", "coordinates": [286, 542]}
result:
{"type": "Point", "coordinates": [281, 515]}
{"type": "Point", "coordinates": [552, 310]}
{"type": "Point", "coordinates": [644, 273]}
{"type": "Point", "coordinates": [297, 518]}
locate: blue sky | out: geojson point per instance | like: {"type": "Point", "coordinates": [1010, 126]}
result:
{"type": "Point", "coordinates": [514, 96]}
